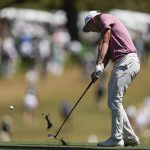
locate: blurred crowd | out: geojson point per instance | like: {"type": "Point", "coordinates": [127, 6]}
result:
{"type": "Point", "coordinates": [44, 47]}
{"type": "Point", "coordinates": [33, 45]}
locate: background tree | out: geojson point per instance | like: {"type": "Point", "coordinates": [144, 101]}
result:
{"type": "Point", "coordinates": [72, 15]}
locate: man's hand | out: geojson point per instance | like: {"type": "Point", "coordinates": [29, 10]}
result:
{"type": "Point", "coordinates": [97, 73]}
{"type": "Point", "coordinates": [95, 76]}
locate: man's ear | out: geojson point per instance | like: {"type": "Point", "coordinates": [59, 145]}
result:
{"type": "Point", "coordinates": [97, 19]}
{"type": "Point", "coordinates": [94, 20]}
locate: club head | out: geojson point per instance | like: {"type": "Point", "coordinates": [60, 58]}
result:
{"type": "Point", "coordinates": [51, 136]}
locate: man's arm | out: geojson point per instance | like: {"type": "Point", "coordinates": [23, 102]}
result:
{"type": "Point", "coordinates": [102, 60]}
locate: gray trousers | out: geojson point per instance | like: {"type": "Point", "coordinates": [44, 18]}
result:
{"type": "Point", "coordinates": [123, 73]}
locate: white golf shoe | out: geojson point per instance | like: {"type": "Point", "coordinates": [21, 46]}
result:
{"type": "Point", "coordinates": [111, 142]}
{"type": "Point", "coordinates": [133, 141]}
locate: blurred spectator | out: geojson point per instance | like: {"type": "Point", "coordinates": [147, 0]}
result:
{"type": "Point", "coordinates": [31, 103]}
{"type": "Point", "coordinates": [147, 53]}
{"type": "Point", "coordinates": [26, 50]}
{"type": "Point", "coordinates": [8, 56]}
{"type": "Point", "coordinates": [60, 39]}
{"type": "Point", "coordinates": [143, 117]}
{"type": "Point", "coordinates": [65, 109]}
{"type": "Point", "coordinates": [31, 78]}
{"type": "Point", "coordinates": [132, 115]}
{"type": "Point", "coordinates": [139, 43]}
{"type": "Point", "coordinates": [6, 129]}
{"type": "Point", "coordinates": [87, 63]}
{"type": "Point", "coordinates": [84, 55]}
{"type": "Point", "coordinates": [74, 47]}
{"type": "Point", "coordinates": [140, 118]}
{"type": "Point", "coordinates": [146, 38]}
{"type": "Point", "coordinates": [26, 45]}
{"type": "Point", "coordinates": [44, 53]}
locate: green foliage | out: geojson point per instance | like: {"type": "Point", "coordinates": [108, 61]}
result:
{"type": "Point", "coordinates": [103, 5]}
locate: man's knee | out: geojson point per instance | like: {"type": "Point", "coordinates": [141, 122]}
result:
{"type": "Point", "coordinates": [114, 104]}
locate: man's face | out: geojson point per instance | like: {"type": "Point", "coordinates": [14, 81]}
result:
{"type": "Point", "coordinates": [94, 26]}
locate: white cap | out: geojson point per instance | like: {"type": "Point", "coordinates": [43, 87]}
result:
{"type": "Point", "coordinates": [88, 17]}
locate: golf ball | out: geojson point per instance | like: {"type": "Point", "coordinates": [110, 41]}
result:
{"type": "Point", "coordinates": [11, 107]}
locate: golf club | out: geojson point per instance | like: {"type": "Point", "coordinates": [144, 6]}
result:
{"type": "Point", "coordinates": [55, 136]}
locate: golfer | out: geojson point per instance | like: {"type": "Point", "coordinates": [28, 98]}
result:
{"type": "Point", "coordinates": [115, 45]}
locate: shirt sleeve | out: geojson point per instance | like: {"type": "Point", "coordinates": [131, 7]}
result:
{"type": "Point", "coordinates": [105, 22]}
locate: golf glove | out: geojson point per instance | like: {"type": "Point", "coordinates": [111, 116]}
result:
{"type": "Point", "coordinates": [97, 73]}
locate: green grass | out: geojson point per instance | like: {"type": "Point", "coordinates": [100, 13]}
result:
{"type": "Point", "coordinates": [57, 145]}
{"type": "Point", "coordinates": [87, 119]}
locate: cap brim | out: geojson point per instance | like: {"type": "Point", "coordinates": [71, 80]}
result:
{"type": "Point", "coordinates": [87, 27]}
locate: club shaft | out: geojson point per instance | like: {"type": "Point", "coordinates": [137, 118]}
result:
{"type": "Point", "coordinates": [73, 108]}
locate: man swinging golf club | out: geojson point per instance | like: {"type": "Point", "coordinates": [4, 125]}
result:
{"type": "Point", "coordinates": [115, 45]}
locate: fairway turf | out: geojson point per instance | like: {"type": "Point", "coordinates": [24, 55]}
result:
{"type": "Point", "coordinates": [88, 119]}
{"type": "Point", "coordinates": [58, 146]}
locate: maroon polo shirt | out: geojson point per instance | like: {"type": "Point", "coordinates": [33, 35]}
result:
{"type": "Point", "coordinates": [120, 42]}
